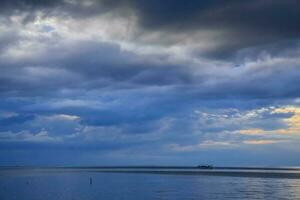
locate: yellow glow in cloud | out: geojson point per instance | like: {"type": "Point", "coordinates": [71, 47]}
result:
{"type": "Point", "coordinates": [260, 142]}
{"type": "Point", "coordinates": [255, 131]}
{"type": "Point", "coordinates": [292, 122]}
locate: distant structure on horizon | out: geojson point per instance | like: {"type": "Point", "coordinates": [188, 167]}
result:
{"type": "Point", "coordinates": [205, 167]}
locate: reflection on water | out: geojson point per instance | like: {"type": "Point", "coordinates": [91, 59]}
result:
{"type": "Point", "coordinates": [33, 185]}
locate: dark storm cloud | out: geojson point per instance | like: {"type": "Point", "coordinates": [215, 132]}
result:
{"type": "Point", "coordinates": [89, 65]}
{"type": "Point", "coordinates": [29, 4]}
{"type": "Point", "coordinates": [271, 18]}
{"type": "Point", "coordinates": [276, 17]}
{"type": "Point", "coordinates": [241, 24]}
{"type": "Point", "coordinates": [86, 65]}
{"type": "Point", "coordinates": [245, 23]}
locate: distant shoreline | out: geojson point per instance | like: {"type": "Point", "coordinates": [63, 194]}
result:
{"type": "Point", "coordinates": [259, 172]}
{"type": "Point", "coordinates": [155, 167]}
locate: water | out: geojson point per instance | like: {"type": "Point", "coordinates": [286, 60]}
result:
{"type": "Point", "coordinates": [32, 184]}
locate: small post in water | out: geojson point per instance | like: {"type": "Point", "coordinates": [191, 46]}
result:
{"type": "Point", "coordinates": [91, 181]}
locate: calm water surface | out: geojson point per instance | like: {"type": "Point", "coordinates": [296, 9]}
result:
{"type": "Point", "coordinates": [56, 185]}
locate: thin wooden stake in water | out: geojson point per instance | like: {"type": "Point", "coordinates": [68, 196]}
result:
{"type": "Point", "coordinates": [91, 181]}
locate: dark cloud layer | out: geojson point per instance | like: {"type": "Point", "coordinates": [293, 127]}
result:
{"type": "Point", "coordinates": [245, 24]}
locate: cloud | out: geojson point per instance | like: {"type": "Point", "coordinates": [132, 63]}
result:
{"type": "Point", "coordinates": [64, 56]}
{"type": "Point", "coordinates": [292, 123]}
{"type": "Point", "coordinates": [266, 22]}
{"type": "Point", "coordinates": [260, 142]}
{"type": "Point", "coordinates": [150, 79]}
{"type": "Point", "coordinates": [25, 136]}
{"type": "Point", "coordinates": [10, 119]}
{"type": "Point", "coordinates": [62, 117]}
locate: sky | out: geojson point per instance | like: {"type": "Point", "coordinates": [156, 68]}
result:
{"type": "Point", "coordinates": [150, 82]}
